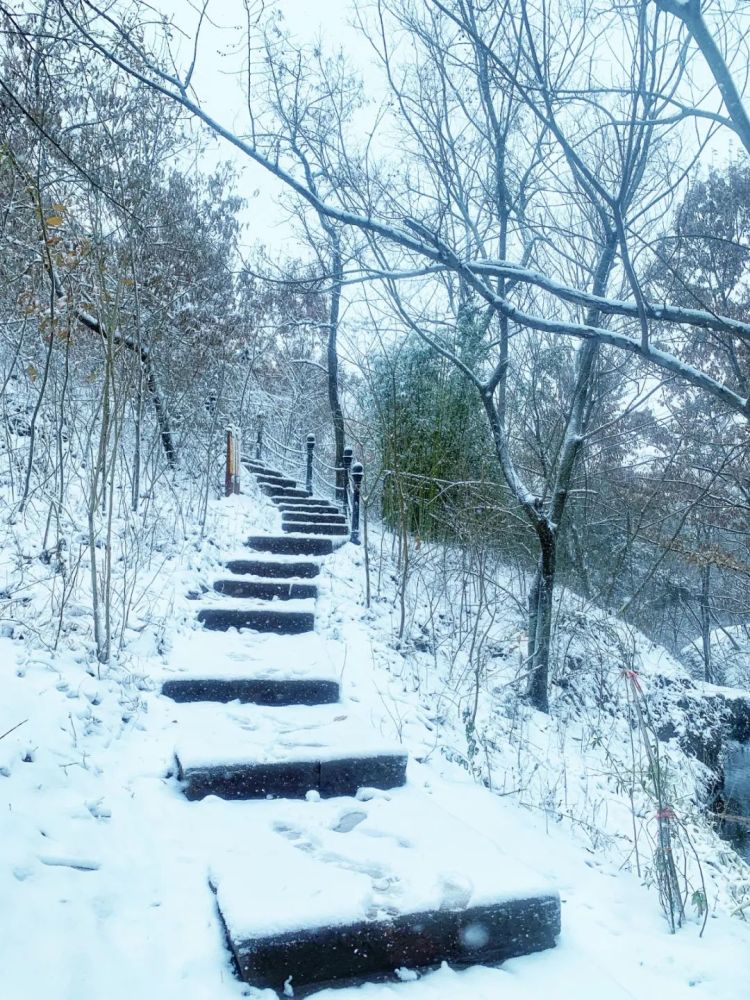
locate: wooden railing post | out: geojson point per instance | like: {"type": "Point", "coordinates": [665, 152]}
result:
{"type": "Point", "coordinates": [357, 474]}
{"type": "Point", "coordinates": [228, 467]}
{"type": "Point", "coordinates": [309, 475]}
{"type": "Point", "coordinates": [232, 472]}
{"type": "Point", "coordinates": [259, 438]}
{"type": "Point", "coordinates": [348, 455]}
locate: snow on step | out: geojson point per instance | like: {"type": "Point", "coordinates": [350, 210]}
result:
{"type": "Point", "coordinates": [356, 889]}
{"type": "Point", "coordinates": [263, 656]}
{"type": "Point", "coordinates": [291, 545]}
{"type": "Point", "coordinates": [249, 752]}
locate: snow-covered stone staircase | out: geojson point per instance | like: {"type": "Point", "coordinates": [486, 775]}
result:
{"type": "Point", "coordinates": [338, 870]}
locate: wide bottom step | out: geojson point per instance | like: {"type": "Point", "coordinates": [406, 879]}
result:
{"type": "Point", "coordinates": [372, 949]}
{"type": "Point", "coordinates": [292, 779]}
{"type": "Point", "coordinates": [282, 622]}
{"type": "Point", "coordinates": [252, 690]}
{"type": "Point", "coordinates": [390, 883]}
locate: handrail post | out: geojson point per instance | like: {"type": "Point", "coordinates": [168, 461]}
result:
{"type": "Point", "coordinates": [228, 466]}
{"type": "Point", "coordinates": [309, 475]}
{"type": "Point", "coordinates": [357, 474]}
{"type": "Point", "coordinates": [237, 461]}
{"type": "Point", "coordinates": [232, 471]}
{"type": "Point", "coordinates": [259, 438]}
{"type": "Point", "coordinates": [348, 455]}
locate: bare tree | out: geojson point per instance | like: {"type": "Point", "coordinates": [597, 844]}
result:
{"type": "Point", "coordinates": [600, 152]}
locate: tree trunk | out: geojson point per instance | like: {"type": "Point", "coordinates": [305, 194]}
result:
{"type": "Point", "coordinates": [533, 611]}
{"type": "Point", "coordinates": [540, 619]}
{"type": "Point", "coordinates": [705, 612]}
{"type": "Point", "coordinates": [337, 416]}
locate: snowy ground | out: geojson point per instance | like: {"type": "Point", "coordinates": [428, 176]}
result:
{"type": "Point", "coordinates": [104, 865]}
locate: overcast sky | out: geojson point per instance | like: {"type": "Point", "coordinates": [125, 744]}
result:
{"type": "Point", "coordinates": [219, 82]}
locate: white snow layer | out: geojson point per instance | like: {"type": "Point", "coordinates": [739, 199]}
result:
{"type": "Point", "coordinates": [104, 866]}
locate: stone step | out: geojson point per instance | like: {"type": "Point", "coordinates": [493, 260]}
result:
{"type": "Point", "coordinates": [316, 528]}
{"type": "Point", "coordinates": [259, 468]}
{"type": "Point", "coordinates": [254, 690]}
{"type": "Point", "coordinates": [389, 884]}
{"type": "Point", "coordinates": [248, 752]}
{"type": "Point", "coordinates": [260, 620]}
{"type": "Point", "coordinates": [283, 492]}
{"type": "Point", "coordinates": [292, 779]}
{"type": "Point", "coordinates": [305, 501]}
{"type": "Point", "coordinates": [275, 480]}
{"type": "Point", "coordinates": [312, 517]}
{"type": "Point", "coordinates": [266, 589]}
{"type": "Point", "coordinates": [312, 508]}
{"type": "Point", "coordinates": [273, 568]}
{"type": "Point", "coordinates": [349, 954]}
{"type": "Point", "coordinates": [291, 546]}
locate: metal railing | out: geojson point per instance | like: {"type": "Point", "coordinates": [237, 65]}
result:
{"type": "Point", "coordinates": [346, 489]}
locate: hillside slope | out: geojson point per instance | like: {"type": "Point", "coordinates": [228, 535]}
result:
{"type": "Point", "coordinates": [104, 863]}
